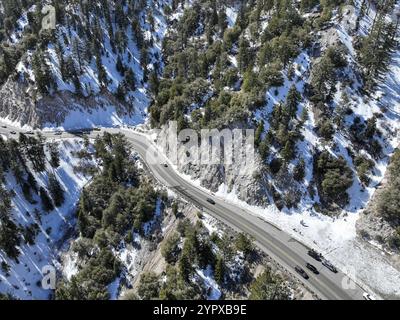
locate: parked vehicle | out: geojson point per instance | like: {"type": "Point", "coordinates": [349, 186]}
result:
{"type": "Point", "coordinates": [314, 254]}
{"type": "Point", "coordinates": [312, 268]}
{"type": "Point", "coordinates": [13, 132]}
{"type": "Point", "coordinates": [301, 271]}
{"type": "Point", "coordinates": [209, 200]}
{"type": "Point", "coordinates": [329, 265]}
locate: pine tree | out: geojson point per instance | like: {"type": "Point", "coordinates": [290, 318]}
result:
{"type": "Point", "coordinates": [120, 66]}
{"type": "Point", "coordinates": [244, 244]}
{"type": "Point", "coordinates": [154, 82]}
{"type": "Point", "coordinates": [219, 273]}
{"type": "Point", "coordinates": [32, 148]}
{"type": "Point", "coordinates": [299, 171]}
{"type": "Point", "coordinates": [304, 116]}
{"type": "Point", "coordinates": [130, 79]}
{"type": "Point", "coordinates": [31, 181]}
{"type": "Point", "coordinates": [185, 262]}
{"type": "Point", "coordinates": [264, 149]}
{"type": "Point", "coordinates": [288, 152]}
{"type": "Point", "coordinates": [222, 22]}
{"type": "Point", "coordinates": [269, 287]}
{"type": "Point", "coordinates": [78, 53]}
{"type": "Point", "coordinates": [101, 72]}
{"type": "Point", "coordinates": [42, 73]}
{"type": "Point", "coordinates": [244, 54]}
{"type": "Point", "coordinates": [61, 61]}
{"type": "Point", "coordinates": [185, 267]}
{"type": "Point", "coordinates": [56, 191]}
{"type": "Point", "coordinates": [292, 101]}
{"type": "Point", "coordinates": [170, 248]}
{"type": "Point", "coordinates": [9, 232]}
{"type": "Point", "coordinates": [249, 81]}
{"type": "Point", "coordinates": [376, 50]}
{"type": "Point", "coordinates": [258, 133]}
{"type": "Point", "coordinates": [120, 93]}
{"type": "Point", "coordinates": [47, 204]}
{"type": "Point", "coordinates": [323, 80]}
{"type": "Point", "coordinates": [54, 155]}
{"type": "Point", "coordinates": [9, 237]}
{"type": "Point", "coordinates": [149, 286]}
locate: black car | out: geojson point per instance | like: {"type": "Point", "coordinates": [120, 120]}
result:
{"type": "Point", "coordinates": [209, 200]}
{"type": "Point", "coordinates": [314, 254]}
{"type": "Point", "coordinates": [312, 268]}
{"type": "Point", "coordinates": [329, 265]}
{"type": "Point", "coordinates": [301, 272]}
{"type": "Point", "coordinates": [13, 132]}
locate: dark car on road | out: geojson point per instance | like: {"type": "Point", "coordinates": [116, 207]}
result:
{"type": "Point", "coordinates": [13, 132]}
{"type": "Point", "coordinates": [314, 254]}
{"type": "Point", "coordinates": [312, 268]}
{"type": "Point", "coordinates": [209, 200]}
{"type": "Point", "coordinates": [329, 265]}
{"type": "Point", "coordinates": [301, 272]}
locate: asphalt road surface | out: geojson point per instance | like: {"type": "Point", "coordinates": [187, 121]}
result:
{"type": "Point", "coordinates": [287, 251]}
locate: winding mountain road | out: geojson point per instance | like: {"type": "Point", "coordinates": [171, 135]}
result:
{"type": "Point", "coordinates": [285, 250]}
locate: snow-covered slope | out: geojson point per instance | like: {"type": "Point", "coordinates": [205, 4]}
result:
{"type": "Point", "coordinates": [342, 144]}
{"type": "Point", "coordinates": [298, 206]}
{"type": "Point", "coordinates": [97, 62]}
{"type": "Point", "coordinates": [23, 279]}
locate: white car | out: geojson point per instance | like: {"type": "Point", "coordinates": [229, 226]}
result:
{"type": "Point", "coordinates": [367, 296]}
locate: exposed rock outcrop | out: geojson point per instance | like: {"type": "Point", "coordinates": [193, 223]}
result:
{"type": "Point", "coordinates": [19, 103]}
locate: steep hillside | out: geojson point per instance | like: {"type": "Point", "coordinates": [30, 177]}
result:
{"type": "Point", "coordinates": [380, 222]}
{"type": "Point", "coordinates": [237, 270]}
{"type": "Point", "coordinates": [318, 81]}
{"type": "Point", "coordinates": [92, 68]}
{"type": "Point", "coordinates": [40, 186]}
{"type": "Point", "coordinates": [87, 211]}
{"type": "Point", "coordinates": [301, 75]}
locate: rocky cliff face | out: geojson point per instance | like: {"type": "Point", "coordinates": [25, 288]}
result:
{"type": "Point", "coordinates": [247, 186]}
{"type": "Point", "coordinates": [21, 105]}
{"type": "Point", "coordinates": [378, 224]}
{"type": "Point", "coordinates": [245, 178]}
{"type": "Point", "coordinates": [17, 103]}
